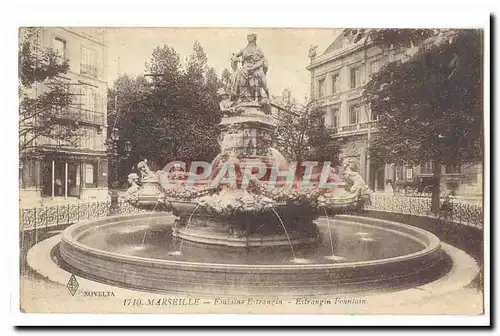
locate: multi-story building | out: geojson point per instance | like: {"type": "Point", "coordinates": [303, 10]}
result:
{"type": "Point", "coordinates": [73, 169]}
{"type": "Point", "coordinates": [338, 76]}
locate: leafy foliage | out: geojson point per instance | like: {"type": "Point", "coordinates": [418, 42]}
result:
{"type": "Point", "coordinates": [303, 136]}
{"type": "Point", "coordinates": [226, 79]}
{"type": "Point", "coordinates": [397, 38]}
{"type": "Point", "coordinates": [172, 113]}
{"type": "Point", "coordinates": [44, 95]}
{"type": "Point", "coordinates": [429, 107]}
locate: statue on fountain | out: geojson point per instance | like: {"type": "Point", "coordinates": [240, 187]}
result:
{"type": "Point", "coordinates": [354, 179]}
{"type": "Point", "coordinates": [145, 171]}
{"type": "Point", "coordinates": [149, 192]}
{"type": "Point", "coordinates": [249, 82]}
{"type": "Point", "coordinates": [227, 106]}
{"type": "Point", "coordinates": [132, 193]}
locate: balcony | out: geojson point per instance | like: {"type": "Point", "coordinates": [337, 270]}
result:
{"type": "Point", "coordinates": [355, 129]}
{"type": "Point", "coordinates": [81, 115]}
{"type": "Point", "coordinates": [89, 70]}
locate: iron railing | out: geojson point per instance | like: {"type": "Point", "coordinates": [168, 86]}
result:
{"type": "Point", "coordinates": [458, 211]}
{"type": "Point", "coordinates": [355, 128]}
{"type": "Point", "coordinates": [65, 214]}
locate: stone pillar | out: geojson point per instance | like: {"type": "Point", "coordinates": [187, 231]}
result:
{"type": "Point", "coordinates": [66, 179]}
{"type": "Point", "coordinates": [328, 84]}
{"type": "Point", "coordinates": [343, 114]}
{"type": "Point", "coordinates": [83, 178]}
{"type": "Point", "coordinates": [53, 178]}
{"type": "Point", "coordinates": [479, 180]}
{"type": "Point", "coordinates": [362, 164]}
{"type": "Point", "coordinates": [78, 182]}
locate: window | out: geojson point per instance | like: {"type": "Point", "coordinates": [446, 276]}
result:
{"type": "Point", "coordinates": [335, 82]}
{"type": "Point", "coordinates": [85, 94]}
{"type": "Point", "coordinates": [60, 47]}
{"type": "Point", "coordinates": [374, 67]}
{"type": "Point", "coordinates": [452, 169]}
{"type": "Point", "coordinates": [58, 106]}
{"type": "Point", "coordinates": [94, 99]}
{"type": "Point", "coordinates": [354, 114]}
{"type": "Point", "coordinates": [399, 173]}
{"type": "Point", "coordinates": [89, 138]}
{"type": "Point", "coordinates": [90, 175]}
{"type": "Point", "coordinates": [28, 174]}
{"type": "Point", "coordinates": [91, 102]}
{"type": "Point", "coordinates": [334, 117]}
{"type": "Point", "coordinates": [427, 167]}
{"type": "Point", "coordinates": [99, 106]}
{"type": "Point", "coordinates": [321, 88]}
{"type": "Point", "coordinates": [355, 77]}
{"type": "Point", "coordinates": [409, 173]}
{"type": "Point", "coordinates": [88, 65]}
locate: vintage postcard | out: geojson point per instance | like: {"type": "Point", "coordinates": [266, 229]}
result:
{"type": "Point", "coordinates": [252, 170]}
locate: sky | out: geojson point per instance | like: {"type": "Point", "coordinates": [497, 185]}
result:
{"type": "Point", "coordinates": [286, 50]}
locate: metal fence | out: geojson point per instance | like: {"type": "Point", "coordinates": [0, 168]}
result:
{"type": "Point", "coordinates": [466, 213]}
{"type": "Point", "coordinates": [460, 212]}
{"type": "Point", "coordinates": [64, 214]}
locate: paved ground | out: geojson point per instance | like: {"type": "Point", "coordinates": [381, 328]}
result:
{"type": "Point", "coordinates": [45, 296]}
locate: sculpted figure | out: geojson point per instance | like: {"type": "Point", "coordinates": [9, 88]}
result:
{"type": "Point", "coordinates": [227, 106]}
{"type": "Point", "coordinates": [132, 193]}
{"type": "Point", "coordinates": [177, 173]}
{"type": "Point", "coordinates": [313, 51]}
{"type": "Point", "coordinates": [250, 78]}
{"type": "Point", "coordinates": [354, 179]}
{"type": "Point", "coordinates": [146, 173]}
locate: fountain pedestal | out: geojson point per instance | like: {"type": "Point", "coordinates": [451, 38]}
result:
{"type": "Point", "coordinates": [245, 229]}
{"type": "Point", "coordinates": [149, 193]}
{"type": "Point", "coordinates": [248, 133]}
{"type": "Point", "coordinates": [246, 138]}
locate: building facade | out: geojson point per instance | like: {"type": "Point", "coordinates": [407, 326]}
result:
{"type": "Point", "coordinates": [76, 169]}
{"type": "Point", "coordinates": [337, 80]}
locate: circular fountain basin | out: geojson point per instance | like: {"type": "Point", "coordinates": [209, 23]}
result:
{"type": "Point", "coordinates": [353, 255]}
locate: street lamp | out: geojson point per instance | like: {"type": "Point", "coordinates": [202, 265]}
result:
{"type": "Point", "coordinates": [128, 148]}
{"type": "Point", "coordinates": [115, 135]}
{"type": "Point", "coordinates": [116, 159]}
{"type": "Point", "coordinates": [113, 145]}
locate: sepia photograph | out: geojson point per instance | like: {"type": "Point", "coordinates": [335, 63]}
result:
{"type": "Point", "coordinates": [256, 170]}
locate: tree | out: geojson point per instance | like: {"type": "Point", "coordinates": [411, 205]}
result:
{"type": "Point", "coordinates": [129, 111]}
{"type": "Point", "coordinates": [288, 100]}
{"type": "Point", "coordinates": [44, 96]}
{"type": "Point", "coordinates": [429, 108]}
{"type": "Point", "coordinates": [226, 79]}
{"type": "Point", "coordinates": [172, 113]}
{"type": "Point", "coordinates": [390, 38]}
{"type": "Point", "coordinates": [200, 108]}
{"type": "Point", "coordinates": [303, 136]}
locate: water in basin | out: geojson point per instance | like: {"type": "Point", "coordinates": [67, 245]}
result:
{"type": "Point", "coordinates": [125, 238]}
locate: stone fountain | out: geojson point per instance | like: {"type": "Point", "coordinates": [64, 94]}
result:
{"type": "Point", "coordinates": [256, 213]}
{"type": "Point", "coordinates": [248, 225]}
